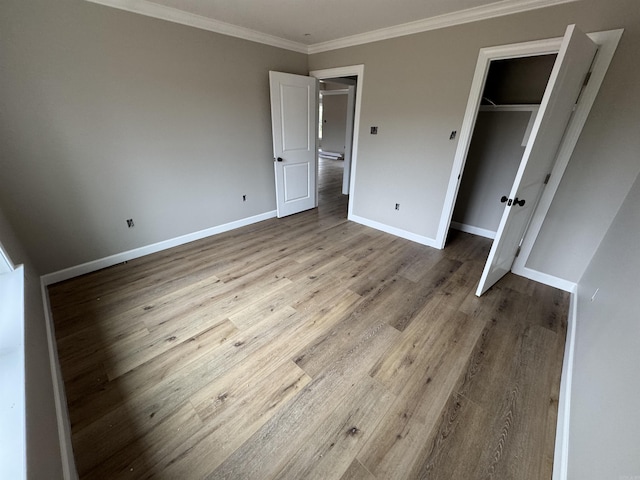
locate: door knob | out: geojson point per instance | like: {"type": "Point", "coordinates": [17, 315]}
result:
{"type": "Point", "coordinates": [279, 159]}
{"type": "Point", "coordinates": [503, 199]}
{"type": "Point", "coordinates": [518, 202]}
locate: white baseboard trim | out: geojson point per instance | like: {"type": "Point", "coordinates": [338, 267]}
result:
{"type": "Point", "coordinates": [398, 232]}
{"type": "Point", "coordinates": [546, 279]}
{"type": "Point", "coordinates": [483, 232]}
{"type": "Point", "coordinates": [62, 414]}
{"type": "Point", "coordinates": [561, 453]}
{"type": "Point", "coordinates": [105, 262]}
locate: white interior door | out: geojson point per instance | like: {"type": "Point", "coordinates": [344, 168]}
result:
{"type": "Point", "coordinates": [566, 80]}
{"type": "Point", "coordinates": [294, 107]}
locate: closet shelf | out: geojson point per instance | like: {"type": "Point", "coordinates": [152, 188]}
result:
{"type": "Point", "coordinates": [510, 108]}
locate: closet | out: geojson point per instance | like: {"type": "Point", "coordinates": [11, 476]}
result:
{"type": "Point", "coordinates": [512, 94]}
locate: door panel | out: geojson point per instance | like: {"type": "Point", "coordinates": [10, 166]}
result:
{"type": "Point", "coordinates": [296, 182]}
{"type": "Point", "coordinates": [572, 64]}
{"type": "Point", "coordinates": [293, 121]}
{"type": "Point", "coordinates": [295, 117]}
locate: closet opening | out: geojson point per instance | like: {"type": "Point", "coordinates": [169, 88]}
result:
{"type": "Point", "coordinates": [511, 97]}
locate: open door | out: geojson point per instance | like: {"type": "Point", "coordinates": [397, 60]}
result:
{"type": "Point", "coordinates": [567, 79]}
{"type": "Point", "coordinates": [294, 106]}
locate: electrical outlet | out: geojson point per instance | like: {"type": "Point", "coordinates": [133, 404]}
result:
{"type": "Point", "coordinates": [374, 130]}
{"type": "Point", "coordinates": [244, 198]}
{"type": "Point", "coordinates": [397, 206]}
{"type": "Point", "coordinates": [130, 223]}
{"type": "Point", "coordinates": [453, 134]}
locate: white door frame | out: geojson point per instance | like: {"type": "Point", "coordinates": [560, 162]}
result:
{"type": "Point", "coordinates": [607, 41]}
{"type": "Point", "coordinates": [348, 140]}
{"type": "Point", "coordinates": [357, 71]}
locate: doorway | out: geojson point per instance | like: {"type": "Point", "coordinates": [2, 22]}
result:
{"type": "Point", "coordinates": [510, 101]}
{"type": "Point", "coordinates": [336, 118]}
{"type": "Point", "coordinates": [566, 127]}
{"type": "Point", "coordinates": [294, 124]}
{"type": "Point", "coordinates": [335, 139]}
{"type": "Point", "coordinates": [567, 80]}
{"type": "Point", "coordinates": [349, 79]}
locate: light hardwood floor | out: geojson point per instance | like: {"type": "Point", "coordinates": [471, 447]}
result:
{"type": "Point", "coordinates": [310, 348]}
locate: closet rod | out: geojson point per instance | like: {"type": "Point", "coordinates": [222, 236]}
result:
{"type": "Point", "coordinates": [510, 108]}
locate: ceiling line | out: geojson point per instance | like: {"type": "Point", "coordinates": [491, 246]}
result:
{"type": "Point", "coordinates": [484, 12]}
{"type": "Point", "coordinates": [174, 15]}
{"type": "Point", "coordinates": [492, 10]}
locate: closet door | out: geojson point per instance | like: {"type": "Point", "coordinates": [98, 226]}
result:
{"type": "Point", "coordinates": [566, 80]}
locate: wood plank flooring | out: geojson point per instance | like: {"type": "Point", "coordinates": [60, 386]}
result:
{"type": "Point", "coordinates": [310, 347]}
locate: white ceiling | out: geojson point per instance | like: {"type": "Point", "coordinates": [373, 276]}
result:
{"type": "Point", "coordinates": [323, 20]}
{"type": "Point", "coordinates": [318, 25]}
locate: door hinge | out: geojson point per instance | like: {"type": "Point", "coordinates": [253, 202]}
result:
{"type": "Point", "coordinates": [546, 179]}
{"type": "Point", "coordinates": [518, 251]}
{"type": "Point", "coordinates": [587, 77]}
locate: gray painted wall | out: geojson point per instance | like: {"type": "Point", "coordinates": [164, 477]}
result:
{"type": "Point", "coordinates": [43, 451]}
{"type": "Point", "coordinates": [605, 422]}
{"type": "Point", "coordinates": [334, 126]}
{"type": "Point", "coordinates": [494, 156]}
{"type": "Point", "coordinates": [108, 115]}
{"type": "Point", "coordinates": [415, 89]}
